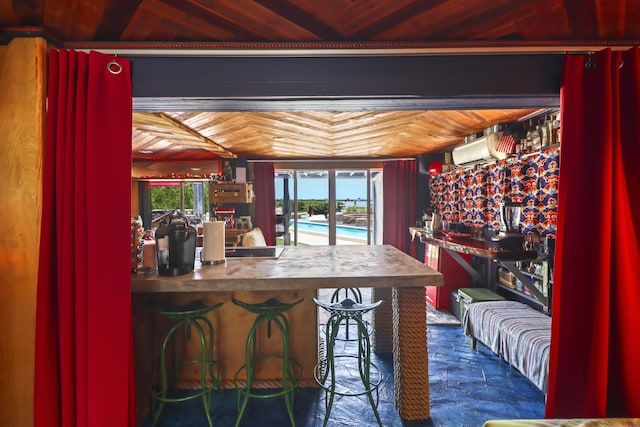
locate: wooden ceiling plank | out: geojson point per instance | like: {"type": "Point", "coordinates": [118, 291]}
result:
{"type": "Point", "coordinates": [71, 19]}
{"type": "Point", "coordinates": [22, 13]}
{"type": "Point", "coordinates": [543, 19]}
{"type": "Point", "coordinates": [395, 20]}
{"type": "Point", "coordinates": [209, 17]}
{"type": "Point", "coordinates": [276, 130]}
{"type": "Point", "coordinates": [157, 124]}
{"type": "Point", "coordinates": [142, 26]}
{"type": "Point", "coordinates": [474, 26]}
{"type": "Point", "coordinates": [611, 19]}
{"type": "Point", "coordinates": [631, 19]}
{"type": "Point", "coordinates": [187, 129]}
{"type": "Point", "coordinates": [326, 21]}
{"type": "Point", "coordinates": [389, 127]}
{"type": "Point", "coordinates": [428, 21]}
{"type": "Point", "coordinates": [303, 18]}
{"type": "Point", "coordinates": [316, 122]}
{"type": "Point", "coordinates": [256, 134]}
{"type": "Point", "coordinates": [373, 18]}
{"type": "Point", "coordinates": [583, 19]}
{"type": "Point", "coordinates": [158, 21]}
{"type": "Point", "coordinates": [252, 21]}
{"type": "Point", "coordinates": [115, 18]}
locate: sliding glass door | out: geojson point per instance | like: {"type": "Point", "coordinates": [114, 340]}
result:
{"type": "Point", "coordinates": [325, 206]}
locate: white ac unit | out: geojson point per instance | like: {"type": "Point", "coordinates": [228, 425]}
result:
{"type": "Point", "coordinates": [482, 149]}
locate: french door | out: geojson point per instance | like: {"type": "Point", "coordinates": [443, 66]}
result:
{"type": "Point", "coordinates": [326, 206]}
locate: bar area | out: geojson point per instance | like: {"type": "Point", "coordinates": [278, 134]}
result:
{"type": "Point", "coordinates": [294, 275]}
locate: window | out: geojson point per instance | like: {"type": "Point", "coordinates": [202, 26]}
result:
{"type": "Point", "coordinates": [325, 206]}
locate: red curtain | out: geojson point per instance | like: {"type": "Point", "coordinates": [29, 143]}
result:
{"type": "Point", "coordinates": [264, 187]}
{"type": "Point", "coordinates": [399, 193]}
{"type": "Point", "coordinates": [84, 352]}
{"type": "Point", "coordinates": [595, 341]}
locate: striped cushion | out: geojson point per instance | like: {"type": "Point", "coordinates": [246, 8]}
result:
{"type": "Point", "coordinates": [516, 332]}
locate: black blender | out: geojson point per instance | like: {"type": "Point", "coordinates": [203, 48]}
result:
{"type": "Point", "coordinates": [509, 236]}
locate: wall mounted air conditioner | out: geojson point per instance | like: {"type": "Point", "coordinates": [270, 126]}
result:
{"type": "Point", "coordinates": [482, 149]}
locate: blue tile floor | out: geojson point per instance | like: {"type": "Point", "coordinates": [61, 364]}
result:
{"type": "Point", "coordinates": [467, 387]}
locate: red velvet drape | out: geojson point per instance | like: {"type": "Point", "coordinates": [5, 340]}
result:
{"type": "Point", "coordinates": [264, 187]}
{"type": "Point", "coordinates": [595, 341]}
{"type": "Point", "coordinates": [83, 371]}
{"type": "Point", "coordinates": [399, 193]}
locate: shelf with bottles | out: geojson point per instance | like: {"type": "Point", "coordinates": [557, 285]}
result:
{"type": "Point", "coordinates": [536, 134]}
{"type": "Point", "coordinates": [531, 281]}
{"type": "Point", "coordinates": [536, 272]}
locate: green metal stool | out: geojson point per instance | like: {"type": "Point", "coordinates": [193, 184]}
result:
{"type": "Point", "coordinates": [189, 315]}
{"type": "Point", "coordinates": [354, 294]}
{"type": "Point", "coordinates": [369, 375]}
{"type": "Point", "coordinates": [270, 311]}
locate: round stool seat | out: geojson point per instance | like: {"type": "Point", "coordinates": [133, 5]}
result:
{"type": "Point", "coordinates": [270, 311]}
{"type": "Point", "coordinates": [355, 295]}
{"type": "Point", "coordinates": [189, 311]}
{"type": "Point", "coordinates": [270, 307]}
{"type": "Point", "coordinates": [348, 307]}
{"type": "Point", "coordinates": [358, 375]}
{"type": "Point", "coordinates": [190, 315]}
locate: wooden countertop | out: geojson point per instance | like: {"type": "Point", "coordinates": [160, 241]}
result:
{"type": "Point", "coordinates": [300, 267]}
{"type": "Point", "coordinates": [470, 246]}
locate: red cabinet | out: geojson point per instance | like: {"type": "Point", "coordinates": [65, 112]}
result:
{"type": "Point", "coordinates": [453, 274]}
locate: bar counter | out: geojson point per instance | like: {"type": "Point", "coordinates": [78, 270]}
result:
{"type": "Point", "coordinates": [299, 272]}
{"type": "Point", "coordinates": [455, 243]}
{"type": "Point", "coordinates": [300, 268]}
{"type": "Point", "coordinates": [466, 245]}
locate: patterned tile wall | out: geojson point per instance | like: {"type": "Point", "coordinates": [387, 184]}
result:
{"type": "Point", "coordinates": [473, 196]}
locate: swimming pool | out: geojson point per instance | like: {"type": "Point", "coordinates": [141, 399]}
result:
{"type": "Point", "coordinates": [341, 230]}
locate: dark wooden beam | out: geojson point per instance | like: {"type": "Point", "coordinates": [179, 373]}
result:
{"type": "Point", "coordinates": [340, 82]}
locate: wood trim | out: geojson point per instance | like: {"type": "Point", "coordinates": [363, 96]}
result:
{"type": "Point", "coordinates": [22, 118]}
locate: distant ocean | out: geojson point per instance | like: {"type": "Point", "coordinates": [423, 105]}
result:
{"type": "Point", "coordinates": [317, 189]}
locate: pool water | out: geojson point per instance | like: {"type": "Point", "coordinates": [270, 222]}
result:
{"type": "Point", "coordinates": [341, 230]}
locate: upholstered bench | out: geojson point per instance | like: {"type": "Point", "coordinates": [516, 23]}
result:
{"type": "Point", "coordinates": [516, 332]}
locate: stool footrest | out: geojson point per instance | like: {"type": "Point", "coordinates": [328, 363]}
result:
{"type": "Point", "coordinates": [347, 385]}
{"type": "Point", "coordinates": [294, 379]}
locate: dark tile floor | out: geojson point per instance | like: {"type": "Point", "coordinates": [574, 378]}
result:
{"type": "Point", "coordinates": [467, 388]}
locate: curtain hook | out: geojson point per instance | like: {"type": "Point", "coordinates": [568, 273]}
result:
{"type": "Point", "coordinates": [591, 63]}
{"type": "Point", "coordinates": [114, 67]}
{"type": "Point", "coordinates": [621, 63]}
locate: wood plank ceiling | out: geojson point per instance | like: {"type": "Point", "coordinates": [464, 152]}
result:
{"type": "Point", "coordinates": [436, 25]}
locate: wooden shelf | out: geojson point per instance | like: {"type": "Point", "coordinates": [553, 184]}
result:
{"type": "Point", "coordinates": [231, 193]}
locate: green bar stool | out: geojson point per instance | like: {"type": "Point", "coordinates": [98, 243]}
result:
{"type": "Point", "coordinates": [190, 315]}
{"type": "Point", "coordinates": [354, 294]}
{"type": "Point", "coordinates": [341, 383]}
{"type": "Point", "coordinates": [270, 311]}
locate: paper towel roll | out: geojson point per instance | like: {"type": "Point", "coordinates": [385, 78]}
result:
{"type": "Point", "coordinates": [149, 254]}
{"type": "Point", "coordinates": [213, 242]}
